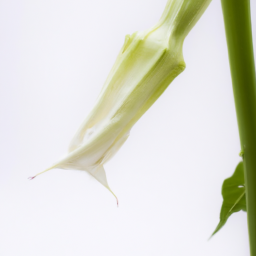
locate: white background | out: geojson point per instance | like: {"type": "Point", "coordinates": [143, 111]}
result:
{"type": "Point", "coordinates": [54, 58]}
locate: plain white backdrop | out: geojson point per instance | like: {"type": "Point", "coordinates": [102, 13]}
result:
{"type": "Point", "coordinates": [54, 57]}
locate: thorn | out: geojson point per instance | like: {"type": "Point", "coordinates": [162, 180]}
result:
{"type": "Point", "coordinates": [31, 178]}
{"type": "Point", "coordinates": [241, 153]}
{"type": "Point", "coordinates": [117, 202]}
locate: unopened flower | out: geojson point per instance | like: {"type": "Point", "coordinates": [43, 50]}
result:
{"type": "Point", "coordinates": [146, 65]}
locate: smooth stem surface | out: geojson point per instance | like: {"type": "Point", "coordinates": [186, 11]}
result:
{"type": "Point", "coordinates": [240, 48]}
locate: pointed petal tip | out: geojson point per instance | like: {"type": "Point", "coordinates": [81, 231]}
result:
{"type": "Point", "coordinates": [32, 177]}
{"type": "Point", "coordinates": [117, 202]}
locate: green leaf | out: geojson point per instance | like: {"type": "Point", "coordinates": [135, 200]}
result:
{"type": "Point", "coordinates": [233, 193]}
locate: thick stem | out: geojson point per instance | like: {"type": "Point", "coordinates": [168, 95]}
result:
{"type": "Point", "coordinates": [180, 16]}
{"type": "Point", "coordinates": [240, 48]}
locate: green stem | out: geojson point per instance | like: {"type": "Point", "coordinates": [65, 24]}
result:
{"type": "Point", "coordinates": [240, 48]}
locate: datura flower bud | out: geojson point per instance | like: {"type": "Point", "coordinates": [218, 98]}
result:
{"type": "Point", "coordinates": [146, 64]}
